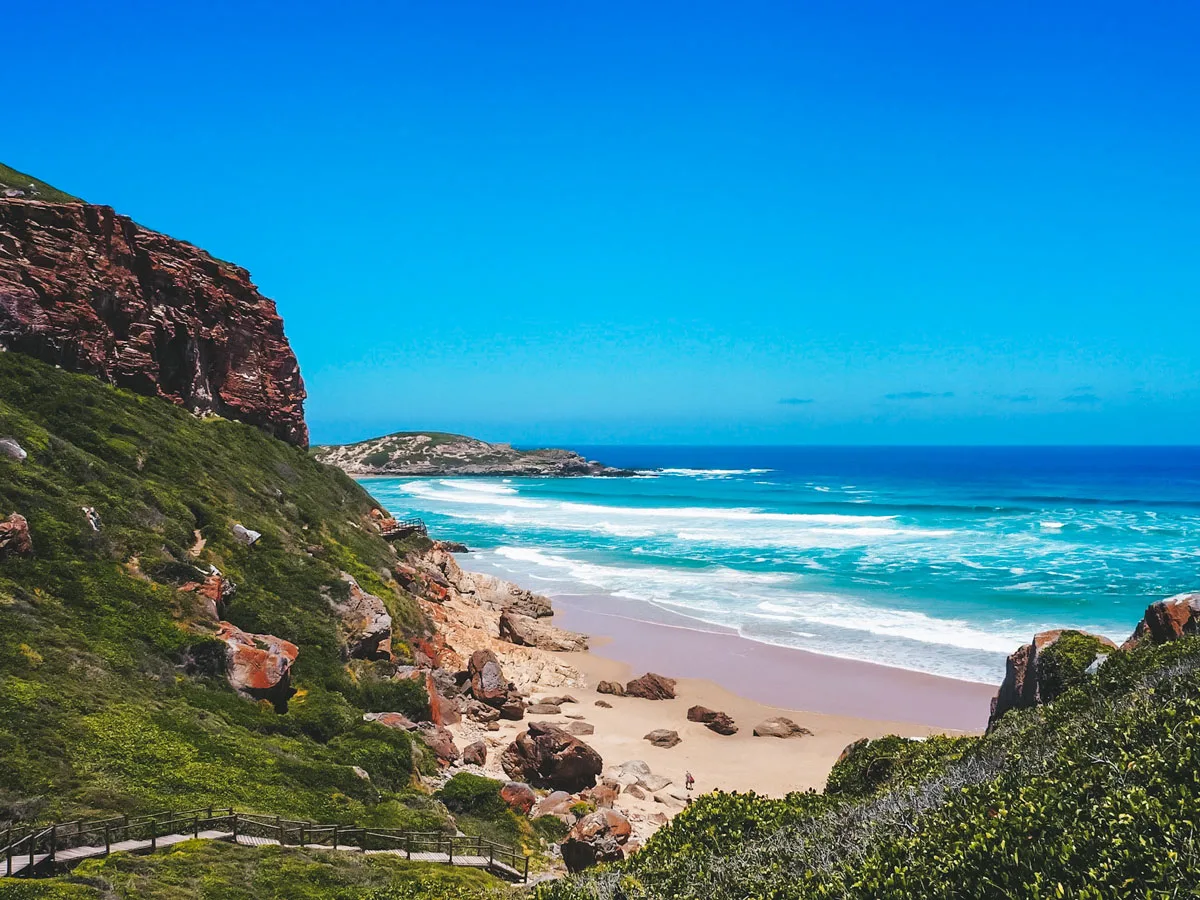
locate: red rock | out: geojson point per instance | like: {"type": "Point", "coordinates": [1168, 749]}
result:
{"type": "Point", "coordinates": [596, 838]}
{"type": "Point", "coordinates": [215, 589]}
{"type": "Point", "coordinates": [602, 795]}
{"type": "Point", "coordinates": [519, 796]}
{"type": "Point", "coordinates": [487, 679]}
{"type": "Point", "coordinates": [1167, 620]}
{"type": "Point", "coordinates": [440, 741]}
{"type": "Point", "coordinates": [651, 687]}
{"type": "Point", "coordinates": [442, 710]}
{"type": "Point", "coordinates": [395, 720]}
{"type": "Point", "coordinates": [92, 291]}
{"type": "Point", "coordinates": [719, 722]}
{"type": "Point", "coordinates": [14, 537]}
{"type": "Point", "coordinates": [258, 664]}
{"type": "Point", "coordinates": [614, 688]}
{"type": "Point", "coordinates": [546, 756]}
{"type": "Point", "coordinates": [475, 754]}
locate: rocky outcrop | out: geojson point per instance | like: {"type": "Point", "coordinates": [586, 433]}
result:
{"type": "Point", "coordinates": [488, 684]}
{"type": "Point", "coordinates": [663, 737]}
{"type": "Point", "coordinates": [244, 535]}
{"type": "Point", "coordinates": [259, 665]}
{"type": "Point", "coordinates": [779, 727]}
{"type": "Point", "coordinates": [527, 632]}
{"type": "Point", "coordinates": [89, 290]}
{"type": "Point", "coordinates": [596, 838]}
{"type": "Point", "coordinates": [14, 537]}
{"type": "Point", "coordinates": [10, 449]}
{"type": "Point", "coordinates": [546, 756]}
{"type": "Point", "coordinates": [1042, 669]}
{"type": "Point", "coordinates": [651, 687]}
{"type": "Point", "coordinates": [716, 721]}
{"type": "Point", "coordinates": [440, 741]}
{"type": "Point", "coordinates": [519, 796]}
{"type": "Point", "coordinates": [427, 453]}
{"type": "Point", "coordinates": [475, 754]}
{"type": "Point", "coordinates": [215, 591]}
{"type": "Point", "coordinates": [366, 625]}
{"type": "Point", "coordinates": [1167, 620]}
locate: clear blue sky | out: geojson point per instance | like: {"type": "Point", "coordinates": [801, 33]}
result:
{"type": "Point", "coordinates": [841, 222]}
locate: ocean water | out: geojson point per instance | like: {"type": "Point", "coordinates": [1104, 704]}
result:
{"type": "Point", "coordinates": [941, 560]}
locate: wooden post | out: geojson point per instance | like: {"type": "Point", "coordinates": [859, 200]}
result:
{"type": "Point", "coordinates": [451, 849]}
{"type": "Point", "coordinates": [235, 825]}
{"type": "Point", "coordinates": [153, 832]}
{"type": "Point", "coordinates": [195, 826]}
{"type": "Point", "coordinates": [279, 828]}
{"type": "Point", "coordinates": [335, 837]}
{"type": "Point", "coordinates": [527, 868]}
{"type": "Point", "coordinates": [53, 842]}
{"type": "Point", "coordinates": [107, 841]}
{"type": "Point", "coordinates": [408, 843]}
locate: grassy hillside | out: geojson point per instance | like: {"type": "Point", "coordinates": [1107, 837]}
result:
{"type": "Point", "coordinates": [108, 700]}
{"type": "Point", "coordinates": [32, 188]}
{"type": "Point", "coordinates": [1095, 795]}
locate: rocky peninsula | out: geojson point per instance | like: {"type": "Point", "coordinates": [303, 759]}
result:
{"type": "Point", "coordinates": [437, 453]}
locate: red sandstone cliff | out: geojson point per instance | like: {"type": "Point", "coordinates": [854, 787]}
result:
{"type": "Point", "coordinates": [92, 291]}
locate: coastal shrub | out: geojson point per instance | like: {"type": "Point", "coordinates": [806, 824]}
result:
{"type": "Point", "coordinates": [1064, 663]}
{"type": "Point", "coordinates": [1092, 795]}
{"type": "Point", "coordinates": [550, 829]}
{"type": "Point", "coordinates": [402, 695]}
{"type": "Point", "coordinates": [481, 812]}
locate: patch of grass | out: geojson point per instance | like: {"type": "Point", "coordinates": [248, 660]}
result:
{"type": "Point", "coordinates": [35, 188]}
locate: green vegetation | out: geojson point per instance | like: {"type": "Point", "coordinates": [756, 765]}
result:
{"type": "Point", "coordinates": [12, 179]}
{"type": "Point", "coordinates": [481, 812]}
{"type": "Point", "coordinates": [204, 870]}
{"type": "Point", "coordinates": [111, 697]}
{"type": "Point", "coordinates": [1064, 663]}
{"type": "Point", "coordinates": [1094, 795]}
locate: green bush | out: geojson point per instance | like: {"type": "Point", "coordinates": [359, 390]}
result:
{"type": "Point", "coordinates": [1063, 664]}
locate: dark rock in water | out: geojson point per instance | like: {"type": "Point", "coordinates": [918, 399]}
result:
{"type": "Point", "coordinates": [92, 291]}
{"type": "Point", "coordinates": [519, 797]}
{"type": "Point", "coordinates": [475, 754]}
{"type": "Point", "coordinates": [1045, 667]}
{"type": "Point", "coordinates": [615, 688]}
{"type": "Point", "coordinates": [596, 838]}
{"type": "Point", "coordinates": [651, 687]}
{"type": "Point", "coordinates": [719, 722]}
{"type": "Point", "coordinates": [453, 547]}
{"type": "Point", "coordinates": [662, 737]}
{"type": "Point", "coordinates": [487, 679]}
{"type": "Point", "coordinates": [12, 450]}
{"type": "Point", "coordinates": [1167, 620]}
{"type": "Point", "coordinates": [780, 727]}
{"type": "Point", "coordinates": [547, 756]}
{"type": "Point", "coordinates": [15, 539]}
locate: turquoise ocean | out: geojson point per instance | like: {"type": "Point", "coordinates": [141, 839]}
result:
{"type": "Point", "coordinates": [940, 560]}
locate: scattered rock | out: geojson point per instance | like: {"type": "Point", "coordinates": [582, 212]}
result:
{"type": "Point", "coordinates": [215, 591]}
{"type": "Point", "coordinates": [1031, 676]}
{"type": "Point", "coordinates": [558, 701]}
{"type": "Point", "coordinates": [528, 632]}
{"type": "Point", "coordinates": [780, 727]}
{"type": "Point", "coordinates": [719, 722]}
{"type": "Point", "coordinates": [1167, 620]}
{"type": "Point", "coordinates": [259, 665]}
{"type": "Point", "coordinates": [669, 801]}
{"type": "Point", "coordinates": [543, 709]}
{"type": "Point", "coordinates": [596, 838]}
{"type": "Point", "coordinates": [637, 767]}
{"type": "Point", "coordinates": [513, 709]}
{"type": "Point", "coordinates": [480, 712]}
{"type": "Point", "coordinates": [580, 729]}
{"type": "Point", "coordinates": [604, 704]}
{"type": "Point", "coordinates": [652, 687]}
{"type": "Point", "coordinates": [653, 783]}
{"type": "Point", "coordinates": [391, 720]}
{"type": "Point", "coordinates": [601, 795]}
{"type": "Point", "coordinates": [611, 687]}
{"type": "Point", "coordinates": [475, 754]}
{"type": "Point", "coordinates": [366, 625]}
{"type": "Point", "coordinates": [12, 450]}
{"type": "Point", "coordinates": [519, 796]}
{"type": "Point", "coordinates": [440, 741]}
{"type": "Point", "coordinates": [547, 756]}
{"type": "Point", "coordinates": [634, 791]}
{"type": "Point", "coordinates": [487, 679]}
{"type": "Point", "coordinates": [246, 535]}
{"type": "Point", "coordinates": [492, 726]}
{"type": "Point", "coordinates": [15, 539]}
{"type": "Point", "coordinates": [662, 737]}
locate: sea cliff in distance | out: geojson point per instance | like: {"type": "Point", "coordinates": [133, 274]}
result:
{"type": "Point", "coordinates": [438, 453]}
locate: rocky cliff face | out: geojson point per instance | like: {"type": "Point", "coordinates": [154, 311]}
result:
{"type": "Point", "coordinates": [434, 453]}
{"type": "Point", "coordinates": [92, 291]}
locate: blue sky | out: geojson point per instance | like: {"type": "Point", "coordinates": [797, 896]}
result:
{"type": "Point", "coordinates": [673, 222]}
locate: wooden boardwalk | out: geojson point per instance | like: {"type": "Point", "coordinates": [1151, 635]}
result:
{"type": "Point", "coordinates": [44, 850]}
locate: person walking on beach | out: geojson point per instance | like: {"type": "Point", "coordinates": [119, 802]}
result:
{"type": "Point", "coordinates": [689, 781]}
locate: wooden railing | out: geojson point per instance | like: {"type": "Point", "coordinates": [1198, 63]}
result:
{"type": "Point", "coordinates": [403, 527]}
{"type": "Point", "coordinates": [38, 850]}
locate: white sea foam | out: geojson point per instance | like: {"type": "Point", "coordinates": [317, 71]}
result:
{"type": "Point", "coordinates": [478, 487]}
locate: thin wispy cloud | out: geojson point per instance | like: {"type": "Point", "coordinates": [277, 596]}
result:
{"type": "Point", "coordinates": [797, 401]}
{"type": "Point", "coordinates": [919, 395]}
{"type": "Point", "coordinates": [1081, 397]}
{"type": "Point", "coordinates": [1014, 398]}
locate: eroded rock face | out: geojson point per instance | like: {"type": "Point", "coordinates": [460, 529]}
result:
{"type": "Point", "coordinates": [215, 592]}
{"type": "Point", "coordinates": [14, 537]}
{"type": "Point", "coordinates": [259, 665]}
{"type": "Point", "coordinates": [92, 291]}
{"type": "Point", "coordinates": [547, 756]}
{"type": "Point", "coordinates": [596, 838]}
{"type": "Point", "coordinates": [366, 624]}
{"type": "Point", "coordinates": [1167, 620]}
{"type": "Point", "coordinates": [1027, 681]}
{"type": "Point", "coordinates": [651, 687]}
{"type": "Point", "coordinates": [663, 737]}
{"type": "Point", "coordinates": [528, 632]}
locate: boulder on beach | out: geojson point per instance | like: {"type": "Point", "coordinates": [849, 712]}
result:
{"type": "Point", "coordinates": [662, 737]}
{"type": "Point", "coordinates": [779, 727]}
{"type": "Point", "coordinates": [716, 721]}
{"type": "Point", "coordinates": [525, 631]}
{"type": "Point", "coordinates": [487, 678]}
{"type": "Point", "coordinates": [543, 709]}
{"type": "Point", "coordinates": [651, 687]}
{"type": "Point", "coordinates": [615, 688]}
{"type": "Point", "coordinates": [547, 756]}
{"type": "Point", "coordinates": [604, 704]}
{"type": "Point", "coordinates": [475, 754]}
{"type": "Point", "coordinates": [580, 729]}
{"type": "Point", "coordinates": [596, 838]}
